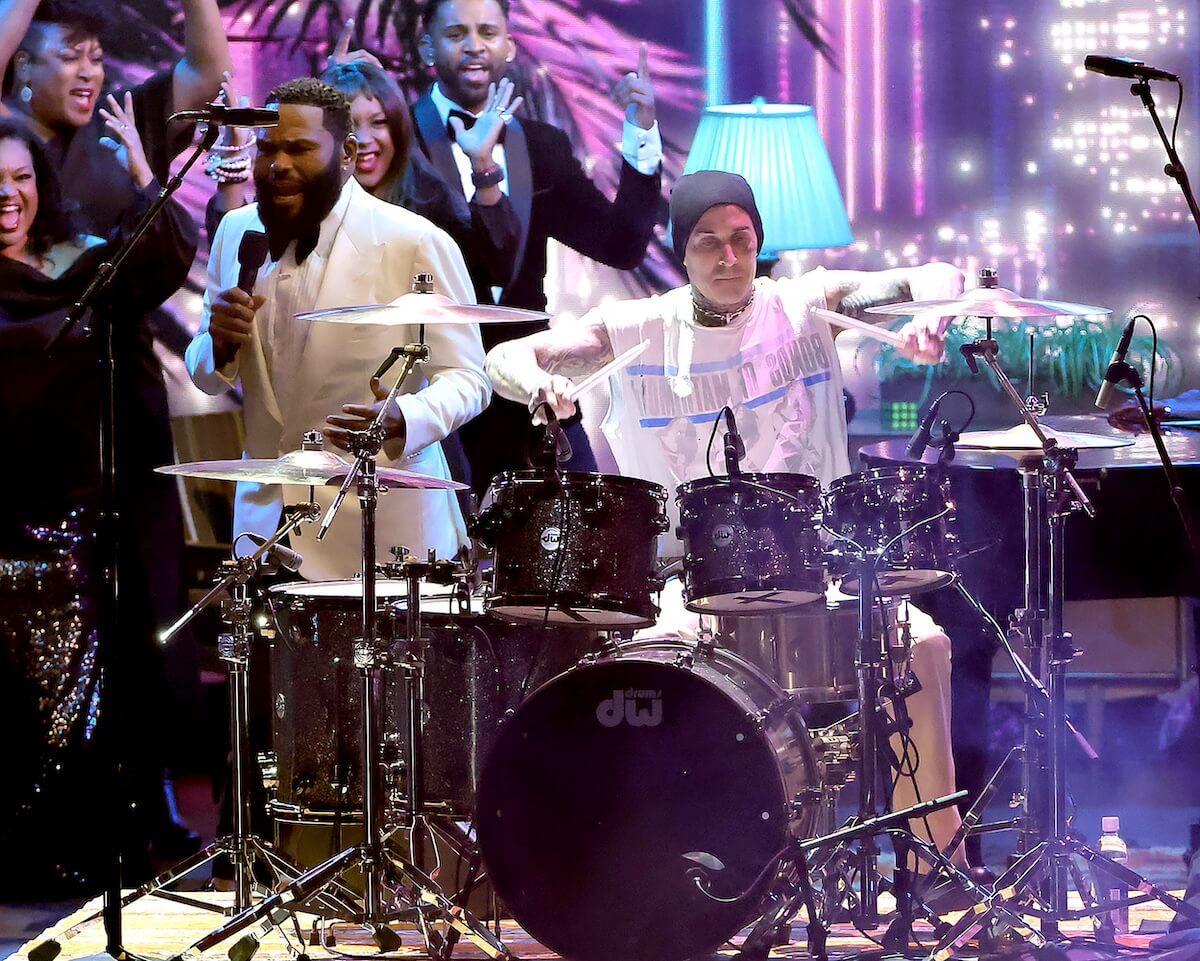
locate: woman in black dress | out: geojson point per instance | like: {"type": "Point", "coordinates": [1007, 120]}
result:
{"type": "Point", "coordinates": [49, 705]}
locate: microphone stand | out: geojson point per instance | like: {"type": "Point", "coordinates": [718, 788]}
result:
{"type": "Point", "coordinates": [1174, 167]}
{"type": "Point", "coordinates": [108, 540]}
{"type": "Point", "coordinates": [1128, 376]}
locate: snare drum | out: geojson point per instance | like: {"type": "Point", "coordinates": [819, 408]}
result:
{"type": "Point", "coordinates": [886, 505]}
{"type": "Point", "coordinates": [574, 549]}
{"type": "Point", "coordinates": [809, 651]}
{"type": "Point", "coordinates": [751, 543]}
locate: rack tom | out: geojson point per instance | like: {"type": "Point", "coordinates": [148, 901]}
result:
{"type": "Point", "coordinates": [905, 512]}
{"type": "Point", "coordinates": [573, 548]}
{"type": "Point", "coordinates": [751, 543]}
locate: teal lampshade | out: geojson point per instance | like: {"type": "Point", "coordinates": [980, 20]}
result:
{"type": "Point", "coordinates": [778, 149]}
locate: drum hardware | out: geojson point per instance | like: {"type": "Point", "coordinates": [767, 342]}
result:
{"type": "Point", "coordinates": [794, 888]}
{"type": "Point", "coordinates": [386, 875]}
{"type": "Point", "coordinates": [1036, 883]}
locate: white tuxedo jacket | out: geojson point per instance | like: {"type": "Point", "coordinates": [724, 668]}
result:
{"type": "Point", "coordinates": [376, 251]}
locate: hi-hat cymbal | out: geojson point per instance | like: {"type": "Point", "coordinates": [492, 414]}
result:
{"type": "Point", "coordinates": [417, 308]}
{"type": "Point", "coordinates": [309, 468]}
{"type": "Point", "coordinates": [992, 302]}
{"type": "Point", "coordinates": [1022, 439]}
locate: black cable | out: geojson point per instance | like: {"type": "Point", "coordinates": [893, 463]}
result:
{"type": "Point", "coordinates": [1178, 113]}
{"type": "Point", "coordinates": [1153, 359]}
{"type": "Point", "coordinates": [711, 438]}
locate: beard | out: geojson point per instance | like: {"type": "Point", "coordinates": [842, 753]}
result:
{"type": "Point", "coordinates": [318, 199]}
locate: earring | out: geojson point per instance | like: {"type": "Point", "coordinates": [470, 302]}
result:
{"type": "Point", "coordinates": [26, 94]}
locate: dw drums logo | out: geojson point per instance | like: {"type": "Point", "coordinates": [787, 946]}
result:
{"type": "Point", "coordinates": [625, 707]}
{"type": "Point", "coordinates": [550, 538]}
{"type": "Point", "coordinates": [722, 535]}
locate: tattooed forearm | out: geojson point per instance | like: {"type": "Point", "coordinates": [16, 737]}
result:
{"type": "Point", "coordinates": [859, 291]}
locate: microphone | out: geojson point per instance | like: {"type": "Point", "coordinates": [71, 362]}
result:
{"type": "Point", "coordinates": [1125, 68]}
{"type": "Point", "coordinates": [1112, 375]}
{"type": "Point", "coordinates": [252, 253]}
{"type": "Point", "coordinates": [554, 441]}
{"type": "Point", "coordinates": [285, 557]}
{"type": "Point", "coordinates": [920, 438]}
{"type": "Point", "coordinates": [221, 115]}
{"type": "Point", "coordinates": [735, 450]}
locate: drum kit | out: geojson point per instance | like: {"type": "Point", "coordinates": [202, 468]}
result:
{"type": "Point", "coordinates": [643, 799]}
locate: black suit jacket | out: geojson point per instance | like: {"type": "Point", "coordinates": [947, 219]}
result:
{"type": "Point", "coordinates": [552, 197]}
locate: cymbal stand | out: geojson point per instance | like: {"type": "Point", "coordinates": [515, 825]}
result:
{"type": "Point", "coordinates": [243, 847]}
{"type": "Point", "coordinates": [383, 871]}
{"type": "Point", "coordinates": [1038, 880]}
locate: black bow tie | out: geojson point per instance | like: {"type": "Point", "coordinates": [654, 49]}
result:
{"type": "Point", "coordinates": [306, 243]}
{"type": "Point", "coordinates": [468, 121]}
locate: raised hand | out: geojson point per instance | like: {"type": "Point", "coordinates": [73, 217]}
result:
{"type": "Point", "coordinates": [126, 142]}
{"type": "Point", "coordinates": [634, 93]}
{"type": "Point", "coordinates": [478, 142]}
{"type": "Point", "coordinates": [343, 54]}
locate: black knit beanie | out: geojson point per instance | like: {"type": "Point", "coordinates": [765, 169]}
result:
{"type": "Point", "coordinates": [696, 193]}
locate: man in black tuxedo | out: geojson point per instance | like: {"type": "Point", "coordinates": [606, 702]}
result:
{"type": "Point", "coordinates": [468, 44]}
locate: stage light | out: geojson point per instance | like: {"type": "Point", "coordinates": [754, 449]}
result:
{"type": "Point", "coordinates": [778, 149]}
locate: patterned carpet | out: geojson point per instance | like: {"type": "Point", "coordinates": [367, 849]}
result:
{"type": "Point", "coordinates": [158, 928]}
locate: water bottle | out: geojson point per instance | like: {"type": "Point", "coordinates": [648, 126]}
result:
{"type": "Point", "coordinates": [1113, 847]}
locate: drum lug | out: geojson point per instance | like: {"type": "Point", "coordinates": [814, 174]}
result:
{"type": "Point", "coordinates": [804, 801]}
{"type": "Point", "coordinates": [780, 708]}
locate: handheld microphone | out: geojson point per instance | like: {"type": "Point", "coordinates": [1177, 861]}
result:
{"type": "Point", "coordinates": [252, 254]}
{"type": "Point", "coordinates": [920, 438]}
{"type": "Point", "coordinates": [1112, 375]}
{"type": "Point", "coordinates": [735, 450]}
{"type": "Point", "coordinates": [1125, 68]}
{"type": "Point", "coordinates": [221, 115]}
{"type": "Point", "coordinates": [285, 557]}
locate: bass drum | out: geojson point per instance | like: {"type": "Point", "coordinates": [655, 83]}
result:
{"type": "Point", "coordinates": [630, 799]}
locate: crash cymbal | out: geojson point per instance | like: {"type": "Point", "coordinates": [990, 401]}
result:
{"type": "Point", "coordinates": [992, 302]}
{"type": "Point", "coordinates": [310, 468]}
{"type": "Point", "coordinates": [420, 308]}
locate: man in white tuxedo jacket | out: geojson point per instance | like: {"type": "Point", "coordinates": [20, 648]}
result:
{"type": "Point", "coordinates": [331, 244]}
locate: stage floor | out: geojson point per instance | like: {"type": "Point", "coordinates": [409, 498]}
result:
{"type": "Point", "coordinates": [160, 928]}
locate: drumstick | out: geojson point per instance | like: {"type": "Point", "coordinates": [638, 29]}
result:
{"type": "Point", "coordinates": [617, 363]}
{"type": "Point", "coordinates": [871, 330]}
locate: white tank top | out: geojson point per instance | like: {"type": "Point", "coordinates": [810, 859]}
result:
{"type": "Point", "coordinates": [775, 366]}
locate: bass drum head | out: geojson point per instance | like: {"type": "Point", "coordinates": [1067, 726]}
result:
{"type": "Point", "coordinates": [606, 791]}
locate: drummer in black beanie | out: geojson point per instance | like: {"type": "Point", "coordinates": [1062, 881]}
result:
{"type": "Point", "coordinates": [753, 345]}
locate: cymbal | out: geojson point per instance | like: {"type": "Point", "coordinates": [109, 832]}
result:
{"type": "Point", "coordinates": [1137, 451]}
{"type": "Point", "coordinates": [992, 302]}
{"type": "Point", "coordinates": [309, 468]}
{"type": "Point", "coordinates": [1022, 438]}
{"type": "Point", "coordinates": [415, 308]}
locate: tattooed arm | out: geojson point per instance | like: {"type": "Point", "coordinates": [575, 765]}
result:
{"type": "Point", "coordinates": [538, 368]}
{"type": "Point", "coordinates": [852, 292]}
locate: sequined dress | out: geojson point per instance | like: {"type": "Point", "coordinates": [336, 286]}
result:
{"type": "Point", "coordinates": [50, 704]}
